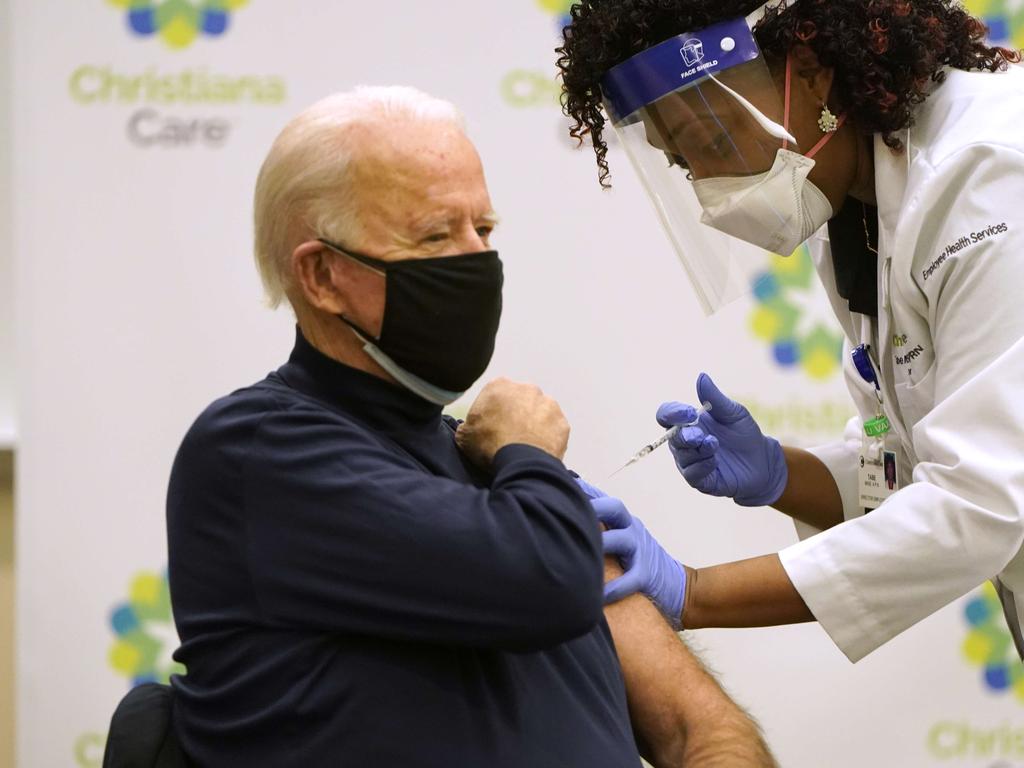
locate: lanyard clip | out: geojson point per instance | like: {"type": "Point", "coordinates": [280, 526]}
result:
{"type": "Point", "coordinates": [866, 369]}
{"type": "Point", "coordinates": [879, 426]}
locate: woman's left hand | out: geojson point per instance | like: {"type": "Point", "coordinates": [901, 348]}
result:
{"type": "Point", "coordinates": [649, 569]}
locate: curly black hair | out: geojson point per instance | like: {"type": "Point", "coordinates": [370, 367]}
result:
{"type": "Point", "coordinates": [884, 52]}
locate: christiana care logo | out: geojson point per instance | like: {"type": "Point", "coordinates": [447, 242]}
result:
{"type": "Point", "coordinates": [969, 737]}
{"type": "Point", "coordinates": [1004, 19]}
{"type": "Point", "coordinates": [171, 102]}
{"type": "Point", "coordinates": [560, 10]}
{"type": "Point", "coordinates": [144, 634]}
{"type": "Point", "coordinates": [178, 22]}
{"type": "Point", "coordinates": [140, 652]}
{"type": "Point", "coordinates": [990, 646]}
{"type": "Point", "coordinates": [785, 295]}
{"type": "Point", "coordinates": [527, 88]}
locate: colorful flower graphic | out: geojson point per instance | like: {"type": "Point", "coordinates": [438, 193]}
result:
{"type": "Point", "coordinates": [1004, 18]}
{"type": "Point", "coordinates": [560, 9]}
{"type": "Point", "coordinates": [780, 317]}
{"type": "Point", "coordinates": [990, 646]}
{"type": "Point", "coordinates": [145, 632]}
{"type": "Point", "coordinates": [179, 22]}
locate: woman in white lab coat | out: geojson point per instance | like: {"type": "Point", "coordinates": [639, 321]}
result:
{"type": "Point", "coordinates": [918, 172]}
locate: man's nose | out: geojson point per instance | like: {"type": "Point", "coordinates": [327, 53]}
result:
{"type": "Point", "coordinates": [469, 240]}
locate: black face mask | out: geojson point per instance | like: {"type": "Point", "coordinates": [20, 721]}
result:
{"type": "Point", "coordinates": [441, 316]}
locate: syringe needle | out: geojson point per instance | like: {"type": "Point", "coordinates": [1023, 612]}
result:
{"type": "Point", "coordinates": [629, 463]}
{"type": "Point", "coordinates": [668, 435]}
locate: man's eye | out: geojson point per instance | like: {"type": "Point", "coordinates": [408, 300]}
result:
{"type": "Point", "coordinates": [438, 237]}
{"type": "Point", "coordinates": [485, 231]}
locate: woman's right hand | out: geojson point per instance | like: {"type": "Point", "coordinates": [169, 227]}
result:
{"type": "Point", "coordinates": [725, 453]}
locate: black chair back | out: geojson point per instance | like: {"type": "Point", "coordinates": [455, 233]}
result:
{"type": "Point", "coordinates": [141, 735]}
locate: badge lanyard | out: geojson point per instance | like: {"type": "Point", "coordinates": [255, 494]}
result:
{"type": "Point", "coordinates": [878, 475]}
{"type": "Point", "coordinates": [877, 427]}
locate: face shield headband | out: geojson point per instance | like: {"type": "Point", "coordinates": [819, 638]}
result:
{"type": "Point", "coordinates": [655, 73]}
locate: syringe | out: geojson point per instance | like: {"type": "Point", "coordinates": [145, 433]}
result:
{"type": "Point", "coordinates": [669, 434]}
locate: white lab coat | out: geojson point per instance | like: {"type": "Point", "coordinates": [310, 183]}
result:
{"type": "Point", "coordinates": [949, 342]}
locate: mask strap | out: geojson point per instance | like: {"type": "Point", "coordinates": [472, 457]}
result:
{"type": "Point", "coordinates": [411, 381]}
{"type": "Point", "coordinates": [365, 337]}
{"type": "Point", "coordinates": [785, 115]}
{"type": "Point", "coordinates": [785, 104]}
{"type": "Point", "coordinates": [377, 265]}
{"type": "Point", "coordinates": [773, 128]}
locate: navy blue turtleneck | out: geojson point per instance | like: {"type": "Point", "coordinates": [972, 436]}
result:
{"type": "Point", "coordinates": [350, 592]}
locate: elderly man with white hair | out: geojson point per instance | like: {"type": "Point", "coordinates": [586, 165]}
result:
{"type": "Point", "coordinates": [359, 580]}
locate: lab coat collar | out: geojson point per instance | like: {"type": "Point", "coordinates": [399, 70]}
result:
{"type": "Point", "coordinates": [891, 173]}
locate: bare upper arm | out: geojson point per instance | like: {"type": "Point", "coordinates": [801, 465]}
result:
{"type": "Point", "coordinates": [680, 715]}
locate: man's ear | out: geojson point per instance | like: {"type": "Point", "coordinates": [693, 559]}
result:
{"type": "Point", "coordinates": [313, 267]}
{"type": "Point", "coordinates": [815, 78]}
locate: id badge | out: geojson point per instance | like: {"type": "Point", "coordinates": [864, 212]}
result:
{"type": "Point", "coordinates": [878, 474]}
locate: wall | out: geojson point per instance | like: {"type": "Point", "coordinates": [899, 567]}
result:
{"type": "Point", "coordinates": [6, 275]}
{"type": "Point", "coordinates": [138, 304]}
{"type": "Point", "coordinates": [6, 407]}
{"type": "Point", "coordinates": [7, 679]}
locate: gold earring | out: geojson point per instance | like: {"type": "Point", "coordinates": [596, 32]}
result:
{"type": "Point", "coordinates": [828, 122]}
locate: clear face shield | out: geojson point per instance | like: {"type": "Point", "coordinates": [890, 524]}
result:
{"type": "Point", "coordinates": [703, 124]}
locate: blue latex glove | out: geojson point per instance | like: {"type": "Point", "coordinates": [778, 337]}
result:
{"type": "Point", "coordinates": [725, 454]}
{"type": "Point", "coordinates": [650, 570]}
{"type": "Point", "coordinates": [593, 492]}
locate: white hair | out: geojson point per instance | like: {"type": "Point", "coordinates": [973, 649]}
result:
{"type": "Point", "coordinates": [303, 184]}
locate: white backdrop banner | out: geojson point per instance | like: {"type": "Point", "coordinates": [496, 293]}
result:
{"type": "Point", "coordinates": [6, 288]}
{"type": "Point", "coordinates": [139, 128]}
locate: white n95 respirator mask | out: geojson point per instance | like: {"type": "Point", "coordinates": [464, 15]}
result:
{"type": "Point", "coordinates": [776, 210]}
